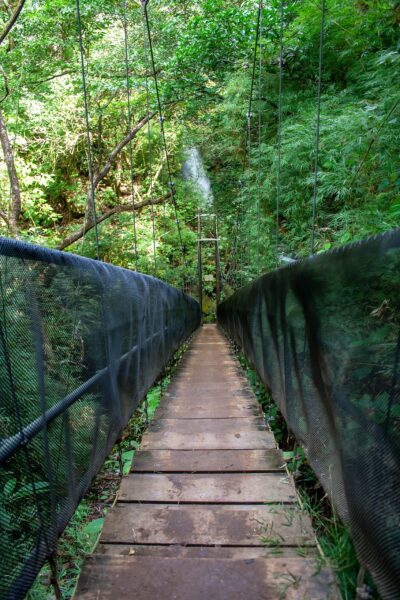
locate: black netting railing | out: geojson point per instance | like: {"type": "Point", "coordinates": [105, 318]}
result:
{"type": "Point", "coordinates": [324, 336]}
{"type": "Point", "coordinates": [81, 342]}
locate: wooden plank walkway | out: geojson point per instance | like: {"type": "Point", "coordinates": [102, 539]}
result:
{"type": "Point", "coordinates": [208, 511]}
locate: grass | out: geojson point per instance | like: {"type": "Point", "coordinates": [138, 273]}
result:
{"type": "Point", "coordinates": [332, 535]}
{"type": "Point", "coordinates": [80, 537]}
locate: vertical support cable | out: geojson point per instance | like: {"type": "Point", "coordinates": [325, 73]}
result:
{"type": "Point", "coordinates": [318, 128]}
{"type": "Point", "coordinates": [17, 120]}
{"type": "Point", "coordinates": [164, 203]}
{"type": "Point", "coordinates": [150, 156]}
{"type": "Point", "coordinates": [217, 262]}
{"type": "Point", "coordinates": [278, 178]}
{"type": "Point", "coordinates": [129, 116]}
{"type": "Point", "coordinates": [164, 212]}
{"type": "Point", "coordinates": [250, 111]}
{"type": "Point", "coordinates": [234, 265]}
{"type": "Point", "coordinates": [259, 142]}
{"type": "Point", "coordinates": [89, 142]}
{"type": "Point", "coordinates": [161, 117]}
{"type": "Point", "coordinates": [199, 263]}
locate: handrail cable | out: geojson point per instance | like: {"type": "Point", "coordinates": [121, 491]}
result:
{"type": "Point", "coordinates": [89, 142]}
{"type": "Point", "coordinates": [162, 118]}
{"type": "Point", "coordinates": [129, 118]}
{"type": "Point", "coordinates": [318, 127]}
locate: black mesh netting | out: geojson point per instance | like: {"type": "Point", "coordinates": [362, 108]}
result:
{"type": "Point", "coordinates": [81, 342]}
{"type": "Point", "coordinates": [324, 336]}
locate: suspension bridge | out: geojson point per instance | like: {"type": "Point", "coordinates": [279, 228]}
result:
{"type": "Point", "coordinates": [208, 494]}
{"type": "Point", "coordinates": [208, 509]}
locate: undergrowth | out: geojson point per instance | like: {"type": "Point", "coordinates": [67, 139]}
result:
{"type": "Point", "coordinates": [332, 535]}
{"type": "Point", "coordinates": [81, 536]}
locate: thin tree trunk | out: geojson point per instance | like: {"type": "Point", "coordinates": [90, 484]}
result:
{"type": "Point", "coordinates": [12, 21]}
{"type": "Point", "coordinates": [100, 175]}
{"type": "Point", "coordinates": [12, 174]}
{"type": "Point", "coordinates": [103, 172]}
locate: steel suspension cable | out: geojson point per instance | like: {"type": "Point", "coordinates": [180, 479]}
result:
{"type": "Point", "coordinates": [318, 127]}
{"type": "Point", "coordinates": [149, 144]}
{"type": "Point", "coordinates": [250, 113]}
{"type": "Point", "coordinates": [164, 203]}
{"type": "Point", "coordinates": [10, 195]}
{"type": "Point", "coordinates": [161, 118]}
{"type": "Point", "coordinates": [246, 157]}
{"type": "Point", "coordinates": [129, 118]}
{"type": "Point", "coordinates": [89, 142]}
{"type": "Point", "coordinates": [279, 136]}
{"type": "Point", "coordinates": [259, 140]}
{"type": "Point", "coordinates": [164, 210]}
{"type": "Point", "coordinates": [253, 77]}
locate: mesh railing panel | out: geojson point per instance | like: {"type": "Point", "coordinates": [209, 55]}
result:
{"type": "Point", "coordinates": [81, 342]}
{"type": "Point", "coordinates": [324, 336]}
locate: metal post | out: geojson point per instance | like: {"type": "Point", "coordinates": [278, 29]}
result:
{"type": "Point", "coordinates": [199, 265]}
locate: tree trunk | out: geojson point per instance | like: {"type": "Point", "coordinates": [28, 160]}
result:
{"type": "Point", "coordinates": [12, 21]}
{"type": "Point", "coordinates": [12, 174]}
{"type": "Point", "coordinates": [115, 210]}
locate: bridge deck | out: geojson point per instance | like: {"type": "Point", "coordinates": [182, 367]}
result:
{"type": "Point", "coordinates": [207, 511]}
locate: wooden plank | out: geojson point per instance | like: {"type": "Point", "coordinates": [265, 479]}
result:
{"type": "Point", "coordinates": [208, 391]}
{"type": "Point", "coordinates": [211, 366]}
{"type": "Point", "coordinates": [217, 383]}
{"type": "Point", "coordinates": [225, 487]}
{"type": "Point", "coordinates": [195, 371]}
{"type": "Point", "coordinates": [208, 525]}
{"type": "Point", "coordinates": [192, 461]}
{"type": "Point", "coordinates": [183, 410]}
{"type": "Point", "coordinates": [247, 440]}
{"type": "Point", "coordinates": [207, 551]}
{"type": "Point", "coordinates": [210, 399]}
{"type": "Point", "coordinates": [230, 373]}
{"type": "Point", "coordinates": [211, 342]}
{"type": "Point", "coordinates": [195, 374]}
{"type": "Point", "coordinates": [208, 379]}
{"type": "Point", "coordinates": [216, 378]}
{"type": "Point", "coordinates": [217, 426]}
{"type": "Point", "coordinates": [163, 578]}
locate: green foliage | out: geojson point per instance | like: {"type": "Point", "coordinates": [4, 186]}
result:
{"type": "Point", "coordinates": [358, 184]}
{"type": "Point", "coordinates": [203, 52]}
